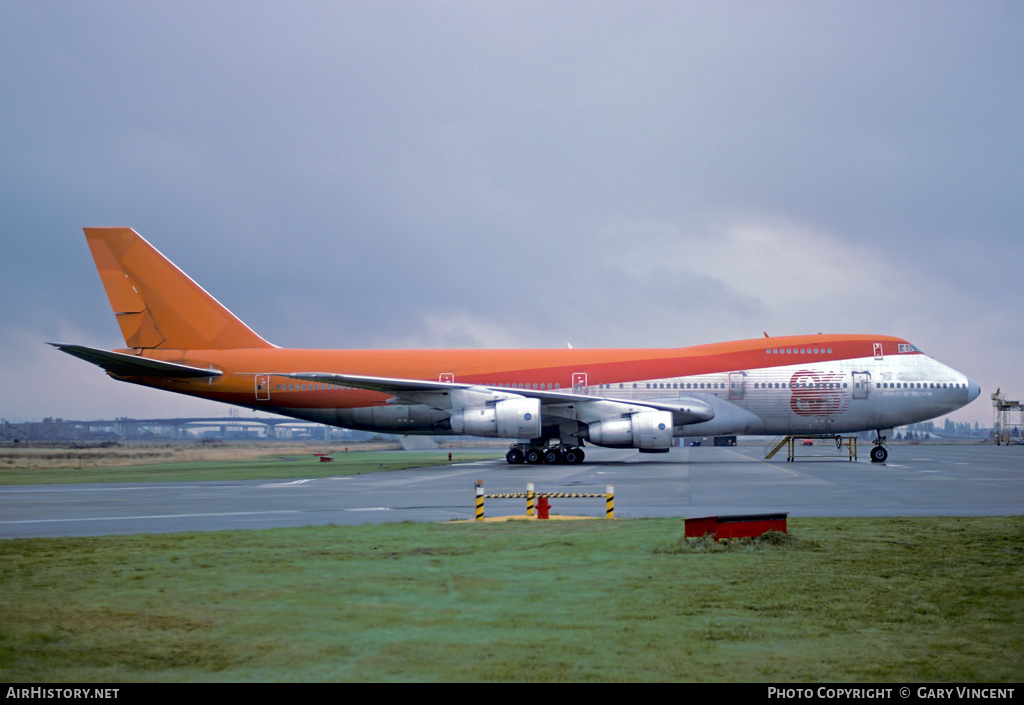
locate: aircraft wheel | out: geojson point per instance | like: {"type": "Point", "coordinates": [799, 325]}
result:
{"type": "Point", "coordinates": [534, 456]}
{"type": "Point", "coordinates": [574, 456]}
{"type": "Point", "coordinates": [552, 457]}
{"type": "Point", "coordinates": [879, 454]}
{"type": "Point", "coordinates": [514, 456]}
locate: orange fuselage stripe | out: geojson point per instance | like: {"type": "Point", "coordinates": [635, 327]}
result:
{"type": "Point", "coordinates": [490, 367]}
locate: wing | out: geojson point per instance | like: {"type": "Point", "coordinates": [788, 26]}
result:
{"type": "Point", "coordinates": [449, 395]}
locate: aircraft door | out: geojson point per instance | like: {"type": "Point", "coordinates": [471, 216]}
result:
{"type": "Point", "coordinates": [861, 384]}
{"type": "Point", "coordinates": [737, 384]}
{"type": "Point", "coordinates": [262, 387]}
{"type": "Point", "coordinates": [579, 381]}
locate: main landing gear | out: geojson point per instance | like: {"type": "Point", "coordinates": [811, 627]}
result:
{"type": "Point", "coordinates": [552, 455]}
{"type": "Point", "coordinates": [879, 453]}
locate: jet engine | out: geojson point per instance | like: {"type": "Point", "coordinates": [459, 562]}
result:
{"type": "Point", "coordinates": [508, 418]}
{"type": "Point", "coordinates": [646, 430]}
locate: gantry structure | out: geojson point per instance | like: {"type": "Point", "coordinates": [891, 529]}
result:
{"type": "Point", "coordinates": [1007, 420]}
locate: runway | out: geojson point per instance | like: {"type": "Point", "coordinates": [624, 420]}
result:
{"type": "Point", "coordinates": [927, 480]}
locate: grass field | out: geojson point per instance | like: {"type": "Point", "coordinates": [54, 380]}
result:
{"type": "Point", "coordinates": [178, 463]}
{"type": "Point", "coordinates": [838, 600]}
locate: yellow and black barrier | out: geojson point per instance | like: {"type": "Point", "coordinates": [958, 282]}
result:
{"type": "Point", "coordinates": [531, 496]}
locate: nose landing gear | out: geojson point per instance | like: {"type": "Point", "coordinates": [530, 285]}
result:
{"type": "Point", "coordinates": [879, 453]}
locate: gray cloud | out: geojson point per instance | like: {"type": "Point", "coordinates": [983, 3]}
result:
{"type": "Point", "coordinates": [518, 174]}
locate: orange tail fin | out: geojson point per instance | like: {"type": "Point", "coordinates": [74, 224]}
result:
{"type": "Point", "coordinates": [156, 304]}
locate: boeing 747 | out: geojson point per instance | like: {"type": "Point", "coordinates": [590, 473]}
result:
{"type": "Point", "coordinates": [550, 402]}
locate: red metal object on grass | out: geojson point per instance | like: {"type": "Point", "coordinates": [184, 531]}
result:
{"type": "Point", "coordinates": [543, 507]}
{"type": "Point", "coordinates": [736, 526]}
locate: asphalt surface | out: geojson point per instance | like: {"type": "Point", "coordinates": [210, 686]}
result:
{"type": "Point", "coordinates": [926, 480]}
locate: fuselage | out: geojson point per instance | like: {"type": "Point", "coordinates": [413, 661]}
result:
{"type": "Point", "coordinates": [786, 385]}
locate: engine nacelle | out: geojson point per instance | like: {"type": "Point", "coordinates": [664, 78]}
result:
{"type": "Point", "coordinates": [509, 418]}
{"type": "Point", "coordinates": [646, 430]}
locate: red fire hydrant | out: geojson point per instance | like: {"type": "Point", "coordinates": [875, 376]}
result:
{"type": "Point", "coordinates": [542, 508]}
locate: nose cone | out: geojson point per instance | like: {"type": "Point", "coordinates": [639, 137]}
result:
{"type": "Point", "coordinates": [973, 390]}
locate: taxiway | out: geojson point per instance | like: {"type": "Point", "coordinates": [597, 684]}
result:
{"type": "Point", "coordinates": [927, 480]}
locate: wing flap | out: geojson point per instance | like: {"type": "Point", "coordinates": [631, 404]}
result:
{"type": "Point", "coordinates": [388, 385]}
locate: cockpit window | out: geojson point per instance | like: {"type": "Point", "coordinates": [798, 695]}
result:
{"type": "Point", "coordinates": [907, 347]}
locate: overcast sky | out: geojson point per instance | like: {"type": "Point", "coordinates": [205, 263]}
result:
{"type": "Point", "coordinates": [515, 174]}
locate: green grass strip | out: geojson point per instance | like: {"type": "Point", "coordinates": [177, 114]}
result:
{"type": "Point", "coordinates": [866, 600]}
{"type": "Point", "coordinates": [280, 466]}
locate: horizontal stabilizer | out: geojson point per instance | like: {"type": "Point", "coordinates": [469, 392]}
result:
{"type": "Point", "coordinates": [123, 365]}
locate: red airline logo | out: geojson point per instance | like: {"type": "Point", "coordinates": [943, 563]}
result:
{"type": "Point", "coordinates": [817, 393]}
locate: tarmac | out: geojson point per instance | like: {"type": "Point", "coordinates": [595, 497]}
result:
{"type": "Point", "coordinates": [925, 480]}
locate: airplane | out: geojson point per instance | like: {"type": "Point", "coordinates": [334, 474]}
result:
{"type": "Point", "coordinates": [550, 402]}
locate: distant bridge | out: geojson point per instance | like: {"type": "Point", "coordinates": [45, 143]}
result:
{"type": "Point", "coordinates": [56, 429]}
